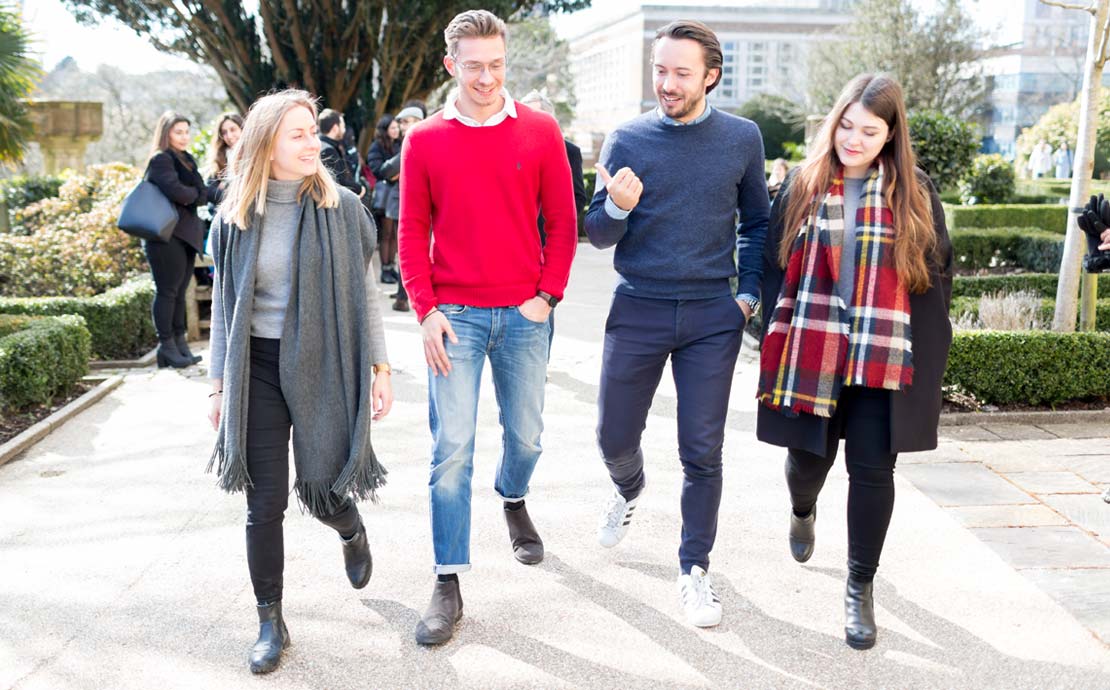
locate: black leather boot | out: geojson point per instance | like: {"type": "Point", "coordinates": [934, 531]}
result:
{"type": "Point", "coordinates": [859, 614]}
{"type": "Point", "coordinates": [357, 559]}
{"type": "Point", "coordinates": [273, 638]}
{"type": "Point", "coordinates": [183, 347]}
{"type": "Point", "coordinates": [802, 537]}
{"type": "Point", "coordinates": [527, 545]}
{"type": "Point", "coordinates": [438, 624]}
{"type": "Point", "coordinates": [170, 356]}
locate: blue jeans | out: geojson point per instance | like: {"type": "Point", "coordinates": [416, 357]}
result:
{"type": "Point", "coordinates": [517, 349]}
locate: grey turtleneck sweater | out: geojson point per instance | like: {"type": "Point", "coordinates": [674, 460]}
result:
{"type": "Point", "coordinates": [272, 281]}
{"type": "Point", "coordinates": [845, 284]}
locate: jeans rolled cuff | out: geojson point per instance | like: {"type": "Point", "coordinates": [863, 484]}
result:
{"type": "Point", "coordinates": [451, 569]}
{"type": "Point", "coordinates": [512, 499]}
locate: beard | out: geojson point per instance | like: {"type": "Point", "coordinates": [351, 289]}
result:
{"type": "Point", "coordinates": [687, 106]}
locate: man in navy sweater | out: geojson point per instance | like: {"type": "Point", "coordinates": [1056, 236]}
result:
{"type": "Point", "coordinates": [683, 171]}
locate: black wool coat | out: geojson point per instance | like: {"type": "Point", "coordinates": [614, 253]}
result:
{"type": "Point", "coordinates": [915, 412]}
{"type": "Point", "coordinates": [176, 174]}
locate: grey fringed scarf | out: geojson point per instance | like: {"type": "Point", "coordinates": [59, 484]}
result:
{"type": "Point", "coordinates": [325, 362]}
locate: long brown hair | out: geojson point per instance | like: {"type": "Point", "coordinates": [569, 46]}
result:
{"type": "Point", "coordinates": [216, 164]}
{"type": "Point", "coordinates": [249, 169]}
{"type": "Point", "coordinates": [907, 199]}
{"type": "Point", "coordinates": [161, 141]}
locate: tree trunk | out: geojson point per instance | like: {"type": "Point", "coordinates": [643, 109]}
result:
{"type": "Point", "coordinates": [1067, 291]}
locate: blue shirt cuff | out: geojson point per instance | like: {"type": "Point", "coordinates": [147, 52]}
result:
{"type": "Point", "coordinates": [615, 212]}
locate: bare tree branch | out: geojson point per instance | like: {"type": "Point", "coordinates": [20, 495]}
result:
{"type": "Point", "coordinates": [1091, 7]}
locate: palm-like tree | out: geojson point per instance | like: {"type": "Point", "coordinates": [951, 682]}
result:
{"type": "Point", "coordinates": [18, 75]}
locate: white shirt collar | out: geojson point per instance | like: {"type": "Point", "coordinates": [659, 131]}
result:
{"type": "Point", "coordinates": [451, 111]}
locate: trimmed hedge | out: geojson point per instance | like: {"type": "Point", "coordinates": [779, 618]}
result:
{"type": "Point", "coordinates": [970, 305]}
{"type": "Point", "coordinates": [1030, 367]}
{"type": "Point", "coordinates": [1033, 250]}
{"type": "Point", "coordinates": [1049, 217]}
{"type": "Point", "coordinates": [10, 323]}
{"type": "Point", "coordinates": [45, 359]}
{"type": "Point", "coordinates": [118, 320]}
{"type": "Point", "coordinates": [1043, 284]}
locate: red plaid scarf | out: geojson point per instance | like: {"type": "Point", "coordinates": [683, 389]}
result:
{"type": "Point", "coordinates": [815, 344]}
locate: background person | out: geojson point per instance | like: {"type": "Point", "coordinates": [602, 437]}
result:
{"type": "Point", "coordinates": [228, 129]}
{"type": "Point", "coordinates": [779, 170]}
{"type": "Point", "coordinates": [333, 152]}
{"type": "Point", "coordinates": [386, 145]}
{"type": "Point", "coordinates": [409, 116]}
{"type": "Point", "coordinates": [174, 171]}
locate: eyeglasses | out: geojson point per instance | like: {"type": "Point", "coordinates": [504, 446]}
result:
{"type": "Point", "coordinates": [476, 68]}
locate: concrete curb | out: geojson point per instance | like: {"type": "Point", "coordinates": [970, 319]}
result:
{"type": "Point", "coordinates": [1032, 417]}
{"type": "Point", "coordinates": [35, 433]}
{"type": "Point", "coordinates": [144, 361]}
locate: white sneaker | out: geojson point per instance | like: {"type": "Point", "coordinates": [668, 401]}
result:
{"type": "Point", "coordinates": [615, 519]}
{"type": "Point", "coordinates": [699, 600]}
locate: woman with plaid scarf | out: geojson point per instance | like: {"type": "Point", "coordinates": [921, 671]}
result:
{"type": "Point", "coordinates": [858, 268]}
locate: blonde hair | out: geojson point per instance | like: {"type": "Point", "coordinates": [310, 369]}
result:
{"type": "Point", "coordinates": [473, 24]}
{"type": "Point", "coordinates": [249, 169]}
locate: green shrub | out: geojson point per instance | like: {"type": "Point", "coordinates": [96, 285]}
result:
{"type": "Point", "coordinates": [990, 180]}
{"type": "Point", "coordinates": [969, 306]}
{"type": "Point", "coordinates": [118, 320]}
{"type": "Point", "coordinates": [780, 121]}
{"type": "Point", "coordinates": [944, 145]}
{"type": "Point", "coordinates": [23, 190]}
{"type": "Point", "coordinates": [10, 323]}
{"type": "Point", "coordinates": [1032, 250]}
{"type": "Point", "coordinates": [1030, 367]}
{"type": "Point", "coordinates": [45, 359]}
{"type": "Point", "coordinates": [1050, 217]}
{"type": "Point", "coordinates": [73, 246]}
{"type": "Point", "coordinates": [1043, 284]}
{"type": "Point", "coordinates": [591, 185]}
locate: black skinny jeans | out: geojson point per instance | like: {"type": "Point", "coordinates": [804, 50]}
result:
{"type": "Point", "coordinates": [862, 418]}
{"type": "Point", "coordinates": [171, 264]}
{"type": "Point", "coordinates": [268, 428]}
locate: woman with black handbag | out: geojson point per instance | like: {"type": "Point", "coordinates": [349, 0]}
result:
{"type": "Point", "coordinates": [297, 345]}
{"type": "Point", "coordinates": [387, 144]}
{"type": "Point", "coordinates": [175, 173]}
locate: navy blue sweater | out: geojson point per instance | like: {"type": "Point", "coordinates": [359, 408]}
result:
{"type": "Point", "coordinates": [682, 240]}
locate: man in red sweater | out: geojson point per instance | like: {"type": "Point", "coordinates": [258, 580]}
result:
{"type": "Point", "coordinates": [479, 172]}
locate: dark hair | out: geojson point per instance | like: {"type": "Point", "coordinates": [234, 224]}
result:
{"type": "Point", "coordinates": [690, 30]}
{"type": "Point", "coordinates": [915, 237]}
{"type": "Point", "coordinates": [162, 130]}
{"type": "Point", "coordinates": [328, 119]}
{"type": "Point", "coordinates": [381, 135]}
{"type": "Point", "coordinates": [217, 149]}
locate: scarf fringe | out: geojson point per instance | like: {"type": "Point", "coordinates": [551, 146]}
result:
{"type": "Point", "coordinates": [362, 479]}
{"type": "Point", "coordinates": [231, 470]}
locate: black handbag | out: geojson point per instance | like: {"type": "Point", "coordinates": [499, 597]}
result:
{"type": "Point", "coordinates": [148, 214]}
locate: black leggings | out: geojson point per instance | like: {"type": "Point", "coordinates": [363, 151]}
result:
{"type": "Point", "coordinates": [268, 427]}
{"type": "Point", "coordinates": [862, 419]}
{"type": "Point", "coordinates": [171, 264]}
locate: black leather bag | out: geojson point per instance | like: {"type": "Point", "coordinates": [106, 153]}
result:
{"type": "Point", "coordinates": [148, 214]}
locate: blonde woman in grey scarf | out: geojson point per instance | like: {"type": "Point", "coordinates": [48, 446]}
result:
{"type": "Point", "coordinates": [297, 343]}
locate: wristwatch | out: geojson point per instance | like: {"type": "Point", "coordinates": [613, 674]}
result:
{"type": "Point", "coordinates": [751, 300]}
{"type": "Point", "coordinates": [383, 369]}
{"type": "Point", "coordinates": [551, 300]}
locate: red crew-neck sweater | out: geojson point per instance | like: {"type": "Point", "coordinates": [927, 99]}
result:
{"type": "Point", "coordinates": [470, 198]}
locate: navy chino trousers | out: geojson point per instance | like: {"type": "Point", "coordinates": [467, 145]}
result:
{"type": "Point", "coordinates": [702, 339]}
